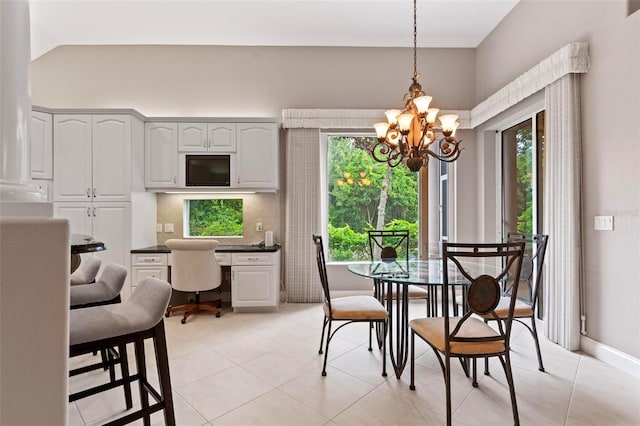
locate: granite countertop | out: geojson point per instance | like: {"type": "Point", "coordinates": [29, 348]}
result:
{"type": "Point", "coordinates": [220, 248]}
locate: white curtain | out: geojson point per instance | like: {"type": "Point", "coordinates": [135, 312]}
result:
{"type": "Point", "coordinates": [562, 219]}
{"type": "Point", "coordinates": [302, 215]}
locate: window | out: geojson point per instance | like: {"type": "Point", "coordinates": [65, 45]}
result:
{"type": "Point", "coordinates": [363, 194]}
{"type": "Point", "coordinates": [213, 218]}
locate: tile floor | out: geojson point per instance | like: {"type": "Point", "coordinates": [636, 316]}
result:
{"type": "Point", "coordinates": [264, 369]}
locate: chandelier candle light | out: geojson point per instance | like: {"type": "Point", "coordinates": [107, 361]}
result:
{"type": "Point", "coordinates": [408, 134]}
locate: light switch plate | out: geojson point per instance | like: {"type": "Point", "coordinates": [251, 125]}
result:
{"type": "Point", "coordinates": [168, 227]}
{"type": "Point", "coordinates": [158, 227]}
{"type": "Point", "coordinates": [603, 223]}
{"type": "Point", "coordinates": [258, 226]}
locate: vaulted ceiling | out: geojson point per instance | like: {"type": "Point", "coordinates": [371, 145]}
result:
{"type": "Point", "coordinates": [383, 23]}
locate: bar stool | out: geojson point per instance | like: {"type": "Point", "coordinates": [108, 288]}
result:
{"type": "Point", "coordinates": [116, 325]}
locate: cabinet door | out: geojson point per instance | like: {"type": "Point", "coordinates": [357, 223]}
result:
{"type": "Point", "coordinates": [257, 165]}
{"type": "Point", "coordinates": [161, 155]}
{"type": "Point", "coordinates": [221, 137]}
{"type": "Point", "coordinates": [72, 158]}
{"type": "Point", "coordinates": [253, 286]}
{"type": "Point", "coordinates": [192, 137]}
{"type": "Point", "coordinates": [112, 226]}
{"type": "Point", "coordinates": [111, 136]}
{"type": "Point", "coordinates": [41, 145]}
{"type": "Point", "coordinates": [79, 216]}
{"type": "Point", "coordinates": [138, 273]}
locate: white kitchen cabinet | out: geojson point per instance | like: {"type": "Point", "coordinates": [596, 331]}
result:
{"type": "Point", "coordinates": [148, 265]}
{"type": "Point", "coordinates": [255, 280]}
{"type": "Point", "coordinates": [104, 221]}
{"type": "Point", "coordinates": [161, 155]}
{"type": "Point", "coordinates": [257, 156]}
{"type": "Point", "coordinates": [92, 157]}
{"type": "Point", "coordinates": [41, 145]}
{"type": "Point", "coordinates": [207, 137]}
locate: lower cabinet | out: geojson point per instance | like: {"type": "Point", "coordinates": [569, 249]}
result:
{"type": "Point", "coordinates": [106, 222]}
{"type": "Point", "coordinates": [255, 280]}
{"type": "Point", "coordinates": [148, 265]}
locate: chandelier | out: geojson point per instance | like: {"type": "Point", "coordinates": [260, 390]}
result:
{"type": "Point", "coordinates": [408, 135]}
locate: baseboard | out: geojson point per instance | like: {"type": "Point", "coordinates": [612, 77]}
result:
{"type": "Point", "coordinates": [611, 356]}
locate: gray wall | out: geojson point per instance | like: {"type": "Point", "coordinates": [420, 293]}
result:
{"type": "Point", "coordinates": [611, 141]}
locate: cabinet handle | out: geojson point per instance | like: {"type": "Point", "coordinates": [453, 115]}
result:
{"type": "Point", "coordinates": [174, 179]}
{"type": "Point", "coordinates": [253, 259]}
{"type": "Point", "coordinates": [88, 192]}
{"type": "Point", "coordinates": [94, 212]}
{"type": "Point", "coordinates": [88, 211]}
{"type": "Point", "coordinates": [94, 193]}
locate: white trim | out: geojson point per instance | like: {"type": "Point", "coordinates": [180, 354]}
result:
{"type": "Point", "coordinates": [572, 58]}
{"type": "Point", "coordinates": [347, 118]}
{"type": "Point", "coordinates": [611, 356]}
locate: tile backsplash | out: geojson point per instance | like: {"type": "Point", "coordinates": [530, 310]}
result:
{"type": "Point", "coordinates": [257, 208]}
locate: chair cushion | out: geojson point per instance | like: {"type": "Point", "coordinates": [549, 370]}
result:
{"type": "Point", "coordinates": [142, 311]}
{"type": "Point", "coordinates": [415, 292]}
{"type": "Point", "coordinates": [356, 308]}
{"type": "Point", "coordinates": [432, 330]}
{"type": "Point", "coordinates": [521, 310]}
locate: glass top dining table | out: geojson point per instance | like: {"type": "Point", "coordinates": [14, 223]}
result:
{"type": "Point", "coordinates": [392, 278]}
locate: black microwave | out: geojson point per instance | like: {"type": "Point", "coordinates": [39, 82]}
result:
{"type": "Point", "coordinates": [208, 170]}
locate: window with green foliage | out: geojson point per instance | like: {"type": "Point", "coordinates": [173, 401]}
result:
{"type": "Point", "coordinates": [213, 218]}
{"type": "Point", "coordinates": [364, 194]}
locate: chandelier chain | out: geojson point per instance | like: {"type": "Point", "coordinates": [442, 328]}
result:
{"type": "Point", "coordinates": [410, 136]}
{"type": "Point", "coordinates": [415, 40]}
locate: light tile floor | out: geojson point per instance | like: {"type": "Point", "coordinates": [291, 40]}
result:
{"type": "Point", "coordinates": [264, 369]}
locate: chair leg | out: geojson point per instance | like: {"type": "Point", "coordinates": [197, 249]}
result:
{"type": "Point", "coordinates": [324, 325]}
{"type": "Point", "coordinates": [534, 332]}
{"type": "Point", "coordinates": [326, 350]}
{"type": "Point", "coordinates": [142, 372]}
{"type": "Point", "coordinates": [447, 384]}
{"type": "Point", "coordinates": [474, 381]}
{"type": "Point", "coordinates": [486, 366]}
{"type": "Point", "coordinates": [384, 351]}
{"type": "Point", "coordinates": [506, 364]}
{"type": "Point", "coordinates": [412, 385]}
{"type": "Point", "coordinates": [370, 329]}
{"type": "Point", "coordinates": [124, 367]}
{"type": "Point", "coordinates": [162, 361]}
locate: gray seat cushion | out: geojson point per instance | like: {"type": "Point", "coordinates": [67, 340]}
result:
{"type": "Point", "coordinates": [141, 312]}
{"type": "Point", "coordinates": [108, 287]}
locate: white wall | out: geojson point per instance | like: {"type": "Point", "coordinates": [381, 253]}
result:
{"type": "Point", "coordinates": [611, 141]}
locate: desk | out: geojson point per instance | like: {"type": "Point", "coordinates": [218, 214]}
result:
{"type": "Point", "coordinates": [83, 244]}
{"type": "Point", "coordinates": [253, 272]}
{"type": "Point", "coordinates": [401, 274]}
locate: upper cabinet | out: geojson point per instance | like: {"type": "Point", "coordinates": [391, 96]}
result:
{"type": "Point", "coordinates": [257, 157]}
{"type": "Point", "coordinates": [41, 145]}
{"type": "Point", "coordinates": [207, 137]}
{"type": "Point", "coordinates": [161, 155]}
{"type": "Point", "coordinates": [92, 157]}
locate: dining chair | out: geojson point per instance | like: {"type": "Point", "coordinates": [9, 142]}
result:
{"type": "Point", "coordinates": [194, 269]}
{"type": "Point", "coordinates": [530, 279]}
{"type": "Point", "coordinates": [87, 271]}
{"type": "Point", "coordinates": [469, 336]}
{"type": "Point", "coordinates": [348, 310]}
{"type": "Point", "coordinates": [389, 246]}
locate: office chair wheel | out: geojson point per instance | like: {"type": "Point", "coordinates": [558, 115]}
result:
{"type": "Point", "coordinates": [167, 314]}
{"type": "Point", "coordinates": [183, 320]}
{"type": "Point", "coordinates": [217, 314]}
